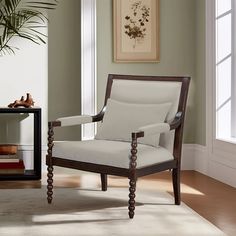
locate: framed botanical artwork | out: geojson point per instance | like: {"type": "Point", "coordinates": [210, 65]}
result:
{"type": "Point", "coordinates": [136, 30]}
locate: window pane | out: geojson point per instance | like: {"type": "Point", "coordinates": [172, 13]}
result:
{"type": "Point", "coordinates": [223, 40]}
{"type": "Point", "coordinates": [222, 6]}
{"type": "Point", "coordinates": [224, 60]}
{"type": "Point", "coordinates": [224, 122]}
{"type": "Point", "coordinates": [223, 82]}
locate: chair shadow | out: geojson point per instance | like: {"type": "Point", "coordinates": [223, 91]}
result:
{"type": "Point", "coordinates": [68, 201]}
{"type": "Point", "coordinates": [80, 221]}
{"type": "Point", "coordinates": [158, 204]}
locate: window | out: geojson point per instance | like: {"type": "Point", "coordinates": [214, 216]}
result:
{"type": "Point", "coordinates": [88, 65]}
{"type": "Point", "coordinates": [225, 91]}
{"type": "Point", "coordinates": [220, 161]}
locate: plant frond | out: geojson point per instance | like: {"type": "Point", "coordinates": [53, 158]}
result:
{"type": "Point", "coordinates": [7, 50]}
{"type": "Point", "coordinates": [39, 33]}
{"type": "Point", "coordinates": [29, 37]}
{"type": "Point", "coordinates": [45, 5]}
{"type": "Point", "coordinates": [9, 6]}
{"type": "Point", "coordinates": [21, 18]}
{"type": "Point", "coordinates": [33, 13]}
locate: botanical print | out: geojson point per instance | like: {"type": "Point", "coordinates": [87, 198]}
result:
{"type": "Point", "coordinates": [136, 25]}
{"type": "Point", "coordinates": [136, 30]}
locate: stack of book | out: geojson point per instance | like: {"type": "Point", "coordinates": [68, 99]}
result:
{"type": "Point", "coordinates": [9, 161]}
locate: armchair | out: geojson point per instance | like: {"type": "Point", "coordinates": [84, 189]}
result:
{"type": "Point", "coordinates": [141, 133]}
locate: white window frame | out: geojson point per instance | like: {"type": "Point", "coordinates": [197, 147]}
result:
{"type": "Point", "coordinates": [233, 93]}
{"type": "Point", "coordinates": [232, 99]}
{"type": "Point", "coordinates": [88, 66]}
{"type": "Point", "coordinates": [220, 151]}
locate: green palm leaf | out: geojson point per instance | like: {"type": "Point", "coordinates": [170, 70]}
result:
{"type": "Point", "coordinates": [21, 18]}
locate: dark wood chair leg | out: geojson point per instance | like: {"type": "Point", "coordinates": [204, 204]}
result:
{"type": "Point", "coordinates": [176, 185]}
{"type": "Point", "coordinates": [132, 189]}
{"type": "Point", "coordinates": [49, 162]}
{"type": "Point", "coordinates": [132, 177]}
{"type": "Point", "coordinates": [104, 182]}
{"type": "Point", "coordinates": [49, 185]}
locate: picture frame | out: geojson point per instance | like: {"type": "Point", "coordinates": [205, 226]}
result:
{"type": "Point", "coordinates": [136, 31]}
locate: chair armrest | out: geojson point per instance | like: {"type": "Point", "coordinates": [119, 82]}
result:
{"type": "Point", "coordinates": [61, 122]}
{"type": "Point", "coordinates": [75, 120]}
{"type": "Point", "coordinates": [71, 120]}
{"type": "Point", "coordinates": [159, 127]}
{"type": "Point", "coordinates": [175, 123]}
{"type": "Point", "coordinates": [155, 128]}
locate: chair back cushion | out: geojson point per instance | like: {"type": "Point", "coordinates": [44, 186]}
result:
{"type": "Point", "coordinates": [123, 118]}
{"type": "Point", "coordinates": [149, 92]}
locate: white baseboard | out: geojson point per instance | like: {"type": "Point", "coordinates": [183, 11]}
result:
{"type": "Point", "coordinates": [188, 157]}
{"type": "Point", "coordinates": [196, 157]}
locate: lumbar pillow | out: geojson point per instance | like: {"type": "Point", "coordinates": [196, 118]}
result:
{"type": "Point", "coordinates": [121, 119]}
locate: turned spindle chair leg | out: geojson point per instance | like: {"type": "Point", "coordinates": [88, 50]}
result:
{"type": "Point", "coordinates": [50, 163]}
{"type": "Point", "coordinates": [132, 177]}
{"type": "Point", "coordinates": [132, 189]}
{"type": "Point", "coordinates": [50, 184]}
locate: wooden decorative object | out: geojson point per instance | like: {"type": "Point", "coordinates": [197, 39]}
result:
{"type": "Point", "coordinates": [8, 149]}
{"type": "Point", "coordinates": [28, 102]}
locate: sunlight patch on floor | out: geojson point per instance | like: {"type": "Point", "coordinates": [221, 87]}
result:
{"type": "Point", "coordinates": [189, 190]}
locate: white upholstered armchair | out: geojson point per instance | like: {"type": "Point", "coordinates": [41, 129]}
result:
{"type": "Point", "coordinates": [140, 134]}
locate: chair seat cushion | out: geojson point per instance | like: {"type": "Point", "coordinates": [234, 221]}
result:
{"type": "Point", "coordinates": [110, 153]}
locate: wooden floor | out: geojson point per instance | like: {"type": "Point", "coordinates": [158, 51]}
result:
{"type": "Point", "coordinates": [212, 199]}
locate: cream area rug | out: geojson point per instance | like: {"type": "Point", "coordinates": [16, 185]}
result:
{"type": "Point", "coordinates": [76, 212]}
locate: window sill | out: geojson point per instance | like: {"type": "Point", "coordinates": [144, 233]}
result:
{"type": "Point", "coordinates": [227, 140]}
{"type": "Point", "coordinates": [226, 145]}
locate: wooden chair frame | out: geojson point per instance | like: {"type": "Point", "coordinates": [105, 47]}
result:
{"type": "Point", "coordinates": [132, 172]}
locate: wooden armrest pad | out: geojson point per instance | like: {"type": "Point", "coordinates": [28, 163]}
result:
{"type": "Point", "coordinates": [175, 123]}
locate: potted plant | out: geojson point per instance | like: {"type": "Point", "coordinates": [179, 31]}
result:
{"type": "Point", "coordinates": [22, 18]}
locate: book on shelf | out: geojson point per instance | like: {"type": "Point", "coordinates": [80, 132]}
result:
{"type": "Point", "coordinates": [9, 158]}
{"type": "Point", "coordinates": [6, 149]}
{"type": "Point", "coordinates": [9, 165]}
{"type": "Point", "coordinates": [12, 168]}
{"type": "Point", "coordinates": [11, 171]}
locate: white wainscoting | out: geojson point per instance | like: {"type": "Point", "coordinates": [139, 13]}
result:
{"type": "Point", "coordinates": [199, 158]}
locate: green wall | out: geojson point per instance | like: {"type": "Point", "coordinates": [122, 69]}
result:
{"type": "Point", "coordinates": [182, 52]}
{"type": "Point", "coordinates": [200, 95]}
{"type": "Point", "coordinates": [64, 65]}
{"type": "Point", "coordinates": [177, 53]}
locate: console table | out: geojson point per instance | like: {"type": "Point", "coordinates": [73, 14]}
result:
{"type": "Point", "coordinates": [34, 174]}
